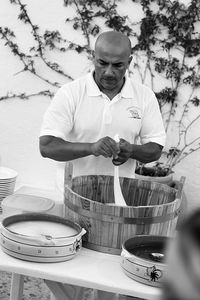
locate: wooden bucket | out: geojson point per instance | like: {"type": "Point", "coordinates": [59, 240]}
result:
{"type": "Point", "coordinates": [152, 209]}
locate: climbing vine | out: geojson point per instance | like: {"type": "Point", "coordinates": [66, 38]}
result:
{"type": "Point", "coordinates": [165, 49]}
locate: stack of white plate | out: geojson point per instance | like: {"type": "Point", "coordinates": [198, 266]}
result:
{"type": "Point", "coordinates": [7, 183]}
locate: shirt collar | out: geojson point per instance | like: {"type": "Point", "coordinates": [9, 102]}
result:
{"type": "Point", "coordinates": [93, 89]}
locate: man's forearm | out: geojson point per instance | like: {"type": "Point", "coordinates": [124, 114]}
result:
{"type": "Point", "coordinates": [60, 150]}
{"type": "Point", "coordinates": [146, 153]}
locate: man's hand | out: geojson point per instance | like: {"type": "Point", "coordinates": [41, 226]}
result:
{"type": "Point", "coordinates": [145, 153]}
{"type": "Point", "coordinates": [124, 154]}
{"type": "Point", "coordinates": [106, 147]}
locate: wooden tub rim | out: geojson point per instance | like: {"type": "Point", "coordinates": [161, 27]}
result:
{"type": "Point", "coordinates": [113, 204]}
{"type": "Point", "coordinates": [111, 216]}
{"type": "Point", "coordinates": [178, 191]}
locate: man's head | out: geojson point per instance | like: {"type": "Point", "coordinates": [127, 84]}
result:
{"type": "Point", "coordinates": [112, 57]}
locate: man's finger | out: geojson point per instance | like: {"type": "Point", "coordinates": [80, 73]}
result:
{"type": "Point", "coordinates": [106, 149]}
{"type": "Point", "coordinates": [122, 143]}
{"type": "Point", "coordinates": [114, 147]}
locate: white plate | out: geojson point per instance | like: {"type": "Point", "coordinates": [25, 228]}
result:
{"type": "Point", "coordinates": [9, 180]}
{"type": "Point", "coordinates": [7, 187]}
{"type": "Point", "coordinates": [6, 173]}
{"type": "Point", "coordinates": [6, 192]}
{"type": "Point", "coordinates": [2, 191]}
{"type": "Point", "coordinates": [28, 203]}
{"type": "Point", "coordinates": [6, 182]}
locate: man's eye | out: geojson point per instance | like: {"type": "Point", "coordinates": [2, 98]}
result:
{"type": "Point", "coordinates": [103, 63]}
{"type": "Point", "coordinates": [118, 65]}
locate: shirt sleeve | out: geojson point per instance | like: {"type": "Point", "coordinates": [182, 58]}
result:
{"type": "Point", "coordinates": [152, 129]}
{"type": "Point", "coordinates": [58, 119]}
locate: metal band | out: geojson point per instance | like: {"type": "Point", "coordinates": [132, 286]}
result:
{"type": "Point", "coordinates": [101, 248]}
{"type": "Point", "coordinates": [122, 220]}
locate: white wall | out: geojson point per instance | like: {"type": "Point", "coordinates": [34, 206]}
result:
{"type": "Point", "coordinates": [20, 120]}
{"type": "Point", "coordinates": [20, 124]}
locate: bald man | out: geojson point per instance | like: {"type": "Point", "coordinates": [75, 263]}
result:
{"type": "Point", "coordinates": [85, 116]}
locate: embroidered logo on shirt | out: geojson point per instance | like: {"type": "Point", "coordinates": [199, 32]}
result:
{"type": "Point", "coordinates": [134, 113]}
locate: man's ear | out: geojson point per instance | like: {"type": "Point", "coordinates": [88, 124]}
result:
{"type": "Point", "coordinates": [130, 59]}
{"type": "Point", "coordinates": [93, 54]}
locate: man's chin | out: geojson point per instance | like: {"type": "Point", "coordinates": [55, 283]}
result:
{"type": "Point", "coordinates": [109, 85]}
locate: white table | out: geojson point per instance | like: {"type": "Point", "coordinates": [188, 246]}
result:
{"type": "Point", "coordinates": [88, 269]}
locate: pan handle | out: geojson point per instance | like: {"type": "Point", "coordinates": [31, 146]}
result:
{"type": "Point", "coordinates": [126, 254]}
{"type": "Point", "coordinates": [47, 240]}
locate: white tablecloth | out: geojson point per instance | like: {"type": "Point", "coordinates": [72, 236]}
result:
{"type": "Point", "coordinates": [88, 269]}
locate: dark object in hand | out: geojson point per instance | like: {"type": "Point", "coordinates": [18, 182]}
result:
{"type": "Point", "coordinates": [116, 162]}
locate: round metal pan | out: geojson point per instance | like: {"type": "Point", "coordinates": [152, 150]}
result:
{"type": "Point", "coordinates": [40, 247]}
{"type": "Point", "coordinates": [143, 259]}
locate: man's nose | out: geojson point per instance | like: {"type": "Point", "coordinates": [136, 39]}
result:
{"type": "Point", "coordinates": [109, 70]}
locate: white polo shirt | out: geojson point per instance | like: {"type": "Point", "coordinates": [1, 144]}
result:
{"type": "Point", "coordinates": [80, 112]}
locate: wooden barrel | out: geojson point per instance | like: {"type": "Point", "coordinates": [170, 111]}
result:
{"type": "Point", "coordinates": [152, 209]}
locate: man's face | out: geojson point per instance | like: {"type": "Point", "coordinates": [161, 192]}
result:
{"type": "Point", "coordinates": [110, 67]}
